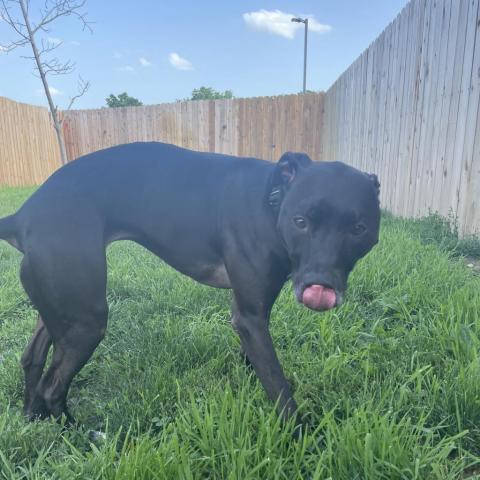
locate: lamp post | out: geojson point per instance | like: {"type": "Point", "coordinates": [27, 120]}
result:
{"type": "Point", "coordinates": [305, 22]}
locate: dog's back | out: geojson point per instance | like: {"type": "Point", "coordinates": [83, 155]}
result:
{"type": "Point", "coordinates": [126, 184]}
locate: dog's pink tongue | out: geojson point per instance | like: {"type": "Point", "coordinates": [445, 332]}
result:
{"type": "Point", "coordinates": [318, 297]}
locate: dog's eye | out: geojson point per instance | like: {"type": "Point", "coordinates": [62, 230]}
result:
{"type": "Point", "coordinates": [300, 222]}
{"type": "Point", "coordinates": [359, 228]}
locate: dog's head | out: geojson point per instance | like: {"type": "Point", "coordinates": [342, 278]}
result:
{"type": "Point", "coordinates": [328, 218]}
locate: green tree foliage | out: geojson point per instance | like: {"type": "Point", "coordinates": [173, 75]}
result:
{"type": "Point", "coordinates": [208, 93]}
{"type": "Point", "coordinates": [123, 100]}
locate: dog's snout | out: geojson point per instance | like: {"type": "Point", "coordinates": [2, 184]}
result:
{"type": "Point", "coordinates": [327, 279]}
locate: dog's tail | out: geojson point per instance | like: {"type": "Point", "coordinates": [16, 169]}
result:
{"type": "Point", "coordinates": [8, 230]}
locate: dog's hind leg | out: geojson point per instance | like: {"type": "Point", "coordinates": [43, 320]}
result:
{"type": "Point", "coordinates": [33, 362]}
{"type": "Point", "coordinates": [66, 282]}
{"type": "Point", "coordinates": [71, 350]}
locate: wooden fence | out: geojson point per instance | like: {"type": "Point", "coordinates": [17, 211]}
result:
{"type": "Point", "coordinates": [28, 146]}
{"type": "Point", "coordinates": [408, 109]}
{"type": "Point", "coordinates": [263, 127]}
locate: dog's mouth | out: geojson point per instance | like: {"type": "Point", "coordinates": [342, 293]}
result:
{"type": "Point", "coordinates": [318, 297]}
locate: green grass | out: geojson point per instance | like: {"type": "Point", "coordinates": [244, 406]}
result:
{"type": "Point", "coordinates": [443, 232]}
{"type": "Point", "coordinates": [390, 382]}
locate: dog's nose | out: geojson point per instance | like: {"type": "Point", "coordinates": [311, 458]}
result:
{"type": "Point", "coordinates": [326, 280]}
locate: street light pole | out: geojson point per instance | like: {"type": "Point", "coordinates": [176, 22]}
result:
{"type": "Point", "coordinates": [305, 58]}
{"type": "Point", "coordinates": [305, 22]}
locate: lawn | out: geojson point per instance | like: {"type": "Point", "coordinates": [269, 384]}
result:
{"type": "Point", "coordinates": [389, 382]}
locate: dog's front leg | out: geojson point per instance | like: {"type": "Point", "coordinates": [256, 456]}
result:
{"type": "Point", "coordinates": [258, 347]}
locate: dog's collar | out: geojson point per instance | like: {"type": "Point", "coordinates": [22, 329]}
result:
{"type": "Point", "coordinates": [276, 196]}
{"type": "Point", "coordinates": [274, 201]}
{"type": "Point", "coordinates": [276, 192]}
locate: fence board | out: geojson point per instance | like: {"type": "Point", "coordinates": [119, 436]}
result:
{"type": "Point", "coordinates": [264, 127]}
{"type": "Point", "coordinates": [416, 111]}
{"type": "Point", "coordinates": [29, 150]}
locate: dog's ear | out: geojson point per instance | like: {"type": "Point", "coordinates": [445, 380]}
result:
{"type": "Point", "coordinates": [289, 165]}
{"type": "Point", "coordinates": [375, 182]}
{"type": "Point", "coordinates": [285, 172]}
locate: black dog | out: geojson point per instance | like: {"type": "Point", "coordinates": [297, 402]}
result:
{"type": "Point", "coordinates": [228, 222]}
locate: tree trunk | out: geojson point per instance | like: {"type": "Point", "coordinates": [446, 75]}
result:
{"type": "Point", "coordinates": [61, 141]}
{"type": "Point", "coordinates": [56, 122]}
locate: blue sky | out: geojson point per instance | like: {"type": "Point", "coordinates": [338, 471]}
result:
{"type": "Point", "coordinates": [159, 51]}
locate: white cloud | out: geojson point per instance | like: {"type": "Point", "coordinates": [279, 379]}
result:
{"type": "Point", "coordinates": [53, 91]}
{"type": "Point", "coordinates": [3, 49]}
{"type": "Point", "coordinates": [315, 26]}
{"type": "Point", "coordinates": [178, 62]}
{"type": "Point", "coordinates": [55, 41]}
{"type": "Point", "coordinates": [126, 68]}
{"type": "Point", "coordinates": [74, 42]}
{"type": "Point", "coordinates": [117, 55]}
{"type": "Point", "coordinates": [144, 62]}
{"type": "Point", "coordinates": [280, 23]}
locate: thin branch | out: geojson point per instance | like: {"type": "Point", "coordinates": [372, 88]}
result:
{"type": "Point", "coordinates": [62, 8]}
{"type": "Point", "coordinates": [83, 87]}
{"type": "Point", "coordinates": [13, 45]}
{"type": "Point", "coordinates": [55, 67]}
{"type": "Point", "coordinates": [48, 46]}
{"type": "Point", "coordinates": [52, 67]}
{"type": "Point", "coordinates": [15, 24]}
